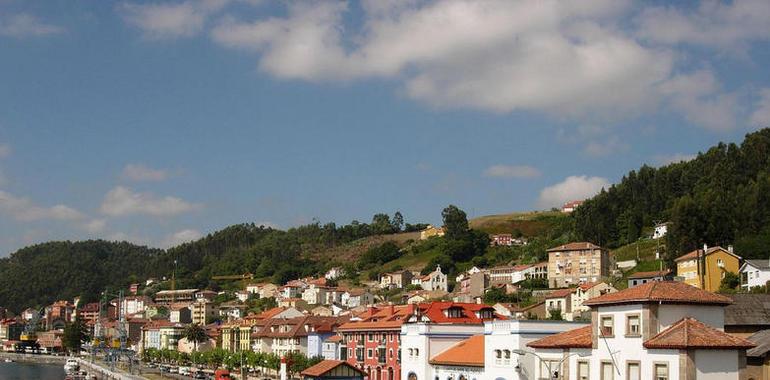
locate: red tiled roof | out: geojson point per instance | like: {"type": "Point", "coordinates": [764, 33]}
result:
{"type": "Point", "coordinates": [561, 293]}
{"type": "Point", "coordinates": [691, 333]}
{"type": "Point", "coordinates": [469, 352]}
{"type": "Point", "coordinates": [655, 273]}
{"type": "Point", "coordinates": [661, 291]}
{"type": "Point", "coordinates": [271, 313]}
{"type": "Point", "coordinates": [588, 285]}
{"type": "Point", "coordinates": [574, 247]}
{"type": "Point", "coordinates": [577, 338]}
{"type": "Point", "coordinates": [334, 338]}
{"type": "Point", "coordinates": [393, 317]}
{"type": "Point", "coordinates": [326, 366]}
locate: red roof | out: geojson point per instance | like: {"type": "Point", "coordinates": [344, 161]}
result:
{"type": "Point", "coordinates": [691, 333]}
{"type": "Point", "coordinates": [271, 313]}
{"type": "Point", "coordinates": [694, 254]}
{"type": "Point", "coordinates": [392, 317]}
{"type": "Point", "coordinates": [325, 366]}
{"type": "Point", "coordinates": [574, 247]}
{"type": "Point", "coordinates": [651, 274]}
{"type": "Point", "coordinates": [469, 352]}
{"type": "Point", "coordinates": [661, 291]}
{"type": "Point", "coordinates": [577, 338]}
{"type": "Point", "coordinates": [561, 293]}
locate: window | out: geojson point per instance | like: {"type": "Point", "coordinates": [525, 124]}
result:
{"type": "Point", "coordinates": [632, 325]}
{"type": "Point", "coordinates": [455, 312]}
{"type": "Point", "coordinates": [498, 357]}
{"type": "Point", "coordinates": [371, 337]}
{"type": "Point", "coordinates": [661, 371]}
{"type": "Point", "coordinates": [549, 369]}
{"type": "Point", "coordinates": [369, 353]}
{"type": "Point", "coordinates": [582, 370]}
{"type": "Point", "coordinates": [506, 357]}
{"type": "Point", "coordinates": [416, 352]}
{"type": "Point", "coordinates": [633, 371]}
{"type": "Point", "coordinates": [606, 326]}
{"type": "Point", "coordinates": [359, 354]}
{"type": "Point", "coordinates": [608, 371]}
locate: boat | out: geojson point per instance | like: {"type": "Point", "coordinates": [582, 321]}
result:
{"type": "Point", "coordinates": [71, 365]}
{"type": "Point", "coordinates": [8, 360]}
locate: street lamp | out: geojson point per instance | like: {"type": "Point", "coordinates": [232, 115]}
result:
{"type": "Point", "coordinates": [554, 374]}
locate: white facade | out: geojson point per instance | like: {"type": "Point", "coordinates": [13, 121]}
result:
{"type": "Point", "coordinates": [660, 231]}
{"type": "Point", "coordinates": [334, 273]}
{"type": "Point", "coordinates": [421, 342]}
{"type": "Point", "coordinates": [755, 273]}
{"type": "Point", "coordinates": [435, 280]}
{"type": "Point", "coordinates": [314, 295]}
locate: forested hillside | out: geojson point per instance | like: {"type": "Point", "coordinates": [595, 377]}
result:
{"type": "Point", "coordinates": [40, 274]}
{"type": "Point", "coordinates": [721, 197]}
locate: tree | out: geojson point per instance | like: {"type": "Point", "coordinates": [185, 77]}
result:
{"type": "Point", "coordinates": [381, 224]}
{"type": "Point", "coordinates": [455, 222]}
{"type": "Point", "coordinates": [398, 221]}
{"type": "Point", "coordinates": [75, 334]}
{"type": "Point", "coordinates": [195, 334]}
{"type": "Point", "coordinates": [730, 282]}
{"type": "Point", "coordinates": [555, 315]}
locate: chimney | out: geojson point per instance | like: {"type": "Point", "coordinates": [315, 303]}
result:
{"type": "Point", "coordinates": [391, 309]}
{"type": "Point", "coordinates": [283, 368]}
{"type": "Point", "coordinates": [705, 247]}
{"type": "Point", "coordinates": [730, 248]}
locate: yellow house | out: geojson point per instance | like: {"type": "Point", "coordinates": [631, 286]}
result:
{"type": "Point", "coordinates": [705, 268]}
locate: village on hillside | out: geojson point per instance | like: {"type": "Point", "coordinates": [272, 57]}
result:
{"type": "Point", "coordinates": [585, 315]}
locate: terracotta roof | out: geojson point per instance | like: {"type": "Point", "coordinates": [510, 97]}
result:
{"type": "Point", "coordinates": [661, 291]}
{"type": "Point", "coordinates": [691, 333]}
{"type": "Point", "coordinates": [694, 254]}
{"type": "Point", "coordinates": [650, 274]}
{"type": "Point", "coordinates": [333, 339]}
{"type": "Point", "coordinates": [589, 285]}
{"type": "Point", "coordinates": [469, 352]}
{"type": "Point", "coordinates": [271, 313]}
{"type": "Point", "coordinates": [326, 366]}
{"type": "Point", "coordinates": [574, 247]}
{"type": "Point", "coordinates": [577, 338]}
{"type": "Point", "coordinates": [561, 293]}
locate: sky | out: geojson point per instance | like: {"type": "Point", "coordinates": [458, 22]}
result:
{"type": "Point", "coordinates": [160, 122]}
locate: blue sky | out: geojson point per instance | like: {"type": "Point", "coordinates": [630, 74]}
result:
{"type": "Point", "coordinates": [158, 122]}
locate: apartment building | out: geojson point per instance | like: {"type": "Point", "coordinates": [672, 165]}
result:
{"type": "Point", "coordinates": [577, 263]}
{"type": "Point", "coordinates": [705, 268]}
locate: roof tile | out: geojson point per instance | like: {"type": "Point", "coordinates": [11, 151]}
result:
{"type": "Point", "coordinates": [691, 333]}
{"type": "Point", "coordinates": [469, 352]}
{"type": "Point", "coordinates": [661, 291]}
{"type": "Point", "coordinates": [577, 338]}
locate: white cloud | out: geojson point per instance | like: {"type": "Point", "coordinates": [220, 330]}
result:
{"type": "Point", "coordinates": [606, 147]}
{"type": "Point", "coordinates": [139, 172]}
{"type": "Point", "coordinates": [699, 98]}
{"type": "Point", "coordinates": [26, 25]}
{"type": "Point", "coordinates": [572, 188]}
{"type": "Point", "coordinates": [760, 118]}
{"type": "Point", "coordinates": [23, 209]}
{"type": "Point", "coordinates": [95, 225]}
{"type": "Point", "coordinates": [665, 159]}
{"type": "Point", "coordinates": [180, 237]}
{"type": "Point", "coordinates": [511, 171]}
{"type": "Point", "coordinates": [727, 25]}
{"type": "Point", "coordinates": [122, 201]}
{"type": "Point", "coordinates": [560, 57]}
{"type": "Point", "coordinates": [167, 20]}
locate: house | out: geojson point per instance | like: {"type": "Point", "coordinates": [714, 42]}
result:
{"type": "Point", "coordinates": [304, 334]}
{"type": "Point", "coordinates": [205, 295]}
{"type": "Point", "coordinates": [334, 273]}
{"type": "Point", "coordinates": [430, 232]}
{"type": "Point", "coordinates": [500, 240]}
{"type": "Point", "coordinates": [167, 297]}
{"type": "Point", "coordinates": [754, 273]}
{"type": "Point", "coordinates": [459, 351]}
{"type": "Point", "coordinates": [331, 347]}
{"type": "Point", "coordinates": [585, 292]}
{"type": "Point", "coordinates": [89, 312]}
{"type": "Point", "coordinates": [513, 311]}
{"type": "Point", "coordinates": [357, 297]}
{"type": "Point", "coordinates": [180, 313]}
{"type": "Point", "coordinates": [658, 330]}
{"type": "Point", "coordinates": [314, 295]}
{"type": "Point", "coordinates": [264, 290]}
{"type": "Point", "coordinates": [758, 358]}
{"type": "Point", "coordinates": [291, 290]}
{"type": "Point", "coordinates": [321, 310]}
{"type": "Point", "coordinates": [10, 329]}
{"type": "Point", "coordinates": [296, 303]}
{"type": "Point", "coordinates": [560, 301]}
{"type": "Point", "coordinates": [661, 229]}
{"type": "Point", "coordinates": [435, 280]}
{"type": "Point", "coordinates": [472, 283]}
{"type": "Point", "coordinates": [571, 206]}
{"type": "Point", "coordinates": [242, 295]}
{"type": "Point", "coordinates": [203, 311]}
{"type": "Point", "coordinates": [501, 274]}
{"type": "Point", "coordinates": [161, 334]}
{"type": "Point", "coordinates": [332, 370]}
{"type": "Point", "coordinates": [398, 279]}
{"type": "Point", "coordinates": [640, 278]}
{"type": "Point", "coordinates": [59, 314]}
{"type": "Point", "coordinates": [577, 263]}
{"type": "Point", "coordinates": [232, 310]}
{"type": "Point", "coordinates": [705, 268]}
{"type": "Point", "coordinates": [132, 305]}
{"type": "Point", "coordinates": [748, 314]}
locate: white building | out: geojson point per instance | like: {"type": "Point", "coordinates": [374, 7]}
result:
{"type": "Point", "coordinates": [334, 273]}
{"type": "Point", "coordinates": [314, 295]}
{"type": "Point", "coordinates": [356, 298]}
{"type": "Point", "coordinates": [755, 273]}
{"type": "Point", "coordinates": [660, 231]}
{"type": "Point", "coordinates": [470, 352]}
{"type": "Point", "coordinates": [435, 280]}
{"type": "Point", "coordinates": [640, 278]}
{"type": "Point", "coordinates": [659, 330]}
{"type": "Point", "coordinates": [584, 293]}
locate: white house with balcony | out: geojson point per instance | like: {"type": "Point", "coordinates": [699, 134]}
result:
{"type": "Point", "coordinates": [659, 330]}
{"type": "Point", "coordinates": [755, 273]}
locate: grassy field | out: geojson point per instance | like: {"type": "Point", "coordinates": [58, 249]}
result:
{"type": "Point", "coordinates": [353, 250]}
{"type": "Point", "coordinates": [647, 250]}
{"type": "Point", "coordinates": [530, 223]}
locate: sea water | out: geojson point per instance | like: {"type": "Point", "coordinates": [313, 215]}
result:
{"type": "Point", "coordinates": [27, 371]}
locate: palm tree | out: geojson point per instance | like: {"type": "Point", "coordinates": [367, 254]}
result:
{"type": "Point", "coordinates": [196, 334]}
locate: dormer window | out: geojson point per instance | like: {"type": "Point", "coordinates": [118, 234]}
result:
{"type": "Point", "coordinates": [455, 312]}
